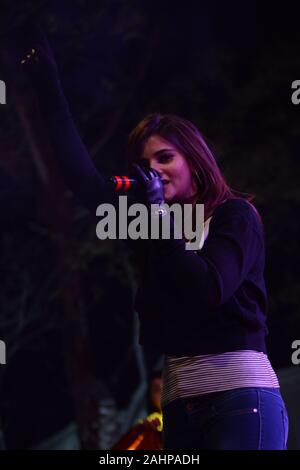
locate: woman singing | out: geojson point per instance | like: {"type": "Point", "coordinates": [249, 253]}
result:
{"type": "Point", "coordinates": [204, 309]}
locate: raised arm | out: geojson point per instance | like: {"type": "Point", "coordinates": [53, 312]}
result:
{"type": "Point", "coordinates": [79, 172]}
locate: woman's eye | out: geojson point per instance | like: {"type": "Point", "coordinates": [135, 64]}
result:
{"type": "Point", "coordinates": [166, 157]}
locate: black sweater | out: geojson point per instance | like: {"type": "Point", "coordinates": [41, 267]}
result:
{"type": "Point", "coordinates": [211, 302]}
{"type": "Point", "coordinates": [189, 303]}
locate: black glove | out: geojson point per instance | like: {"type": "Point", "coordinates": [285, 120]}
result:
{"type": "Point", "coordinates": [150, 185]}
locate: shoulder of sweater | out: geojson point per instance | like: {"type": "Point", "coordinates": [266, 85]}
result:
{"type": "Point", "coordinates": [239, 208]}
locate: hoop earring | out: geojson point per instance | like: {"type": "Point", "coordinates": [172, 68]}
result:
{"type": "Point", "coordinates": [196, 174]}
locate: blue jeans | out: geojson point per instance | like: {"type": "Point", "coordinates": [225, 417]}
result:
{"type": "Point", "coordinates": [239, 419]}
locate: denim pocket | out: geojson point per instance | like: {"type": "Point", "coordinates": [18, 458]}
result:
{"type": "Point", "coordinates": [231, 401]}
{"type": "Point", "coordinates": [236, 412]}
{"type": "Point", "coordinates": [234, 428]}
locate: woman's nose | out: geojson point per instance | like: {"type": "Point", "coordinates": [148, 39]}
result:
{"type": "Point", "coordinates": [156, 166]}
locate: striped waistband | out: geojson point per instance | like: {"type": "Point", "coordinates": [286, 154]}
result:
{"type": "Point", "coordinates": [197, 375]}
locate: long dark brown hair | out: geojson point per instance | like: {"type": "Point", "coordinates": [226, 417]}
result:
{"type": "Point", "coordinates": [213, 188]}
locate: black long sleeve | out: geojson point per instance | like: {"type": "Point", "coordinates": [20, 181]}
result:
{"type": "Point", "coordinates": [213, 300]}
{"type": "Point", "coordinates": [214, 274]}
{"type": "Point", "coordinates": [79, 172]}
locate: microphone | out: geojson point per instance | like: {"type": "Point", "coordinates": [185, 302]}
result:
{"type": "Point", "coordinates": [125, 183]}
{"type": "Point", "coordinates": [122, 183]}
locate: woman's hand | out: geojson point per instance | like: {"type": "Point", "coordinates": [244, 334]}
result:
{"type": "Point", "coordinates": [151, 185]}
{"type": "Point", "coordinates": [38, 59]}
{"type": "Point", "coordinates": [33, 54]}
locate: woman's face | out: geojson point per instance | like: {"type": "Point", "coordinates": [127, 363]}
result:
{"type": "Point", "coordinates": [174, 170]}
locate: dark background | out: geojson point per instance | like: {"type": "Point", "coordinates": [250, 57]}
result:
{"type": "Point", "coordinates": [66, 299]}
